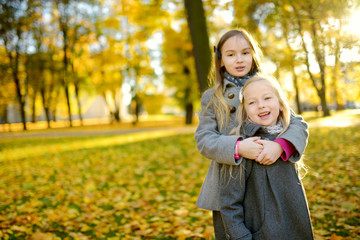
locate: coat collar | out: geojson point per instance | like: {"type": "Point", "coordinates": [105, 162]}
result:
{"type": "Point", "coordinates": [249, 128]}
{"type": "Point", "coordinates": [227, 84]}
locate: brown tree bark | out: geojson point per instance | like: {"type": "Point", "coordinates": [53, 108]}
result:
{"type": "Point", "coordinates": [199, 36]}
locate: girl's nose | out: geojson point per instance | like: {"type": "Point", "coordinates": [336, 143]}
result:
{"type": "Point", "coordinates": [261, 104]}
{"type": "Point", "coordinates": [239, 58]}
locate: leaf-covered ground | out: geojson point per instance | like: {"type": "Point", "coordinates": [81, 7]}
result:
{"type": "Point", "coordinates": [144, 186]}
{"type": "Point", "coordinates": [333, 182]}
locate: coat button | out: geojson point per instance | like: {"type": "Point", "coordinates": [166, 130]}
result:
{"type": "Point", "coordinates": [232, 109]}
{"type": "Point", "coordinates": [231, 95]}
{"type": "Point", "coordinates": [228, 237]}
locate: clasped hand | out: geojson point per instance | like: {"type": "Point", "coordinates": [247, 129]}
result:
{"type": "Point", "coordinates": [263, 151]}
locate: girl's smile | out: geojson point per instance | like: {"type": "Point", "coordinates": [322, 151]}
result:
{"type": "Point", "coordinates": [264, 115]}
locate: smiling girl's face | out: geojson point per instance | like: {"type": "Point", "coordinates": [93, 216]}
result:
{"type": "Point", "coordinates": [261, 103]}
{"type": "Point", "coordinates": [236, 56]}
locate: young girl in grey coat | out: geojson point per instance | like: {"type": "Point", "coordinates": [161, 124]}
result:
{"type": "Point", "coordinates": [237, 58]}
{"type": "Point", "coordinates": [263, 201]}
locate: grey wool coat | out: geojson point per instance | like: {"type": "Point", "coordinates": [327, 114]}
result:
{"type": "Point", "coordinates": [219, 146]}
{"type": "Point", "coordinates": [264, 202]}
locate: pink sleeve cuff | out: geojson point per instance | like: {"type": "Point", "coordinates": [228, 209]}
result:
{"type": "Point", "coordinates": [288, 148]}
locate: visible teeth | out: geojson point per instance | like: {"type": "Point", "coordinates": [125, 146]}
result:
{"type": "Point", "coordinates": [263, 114]}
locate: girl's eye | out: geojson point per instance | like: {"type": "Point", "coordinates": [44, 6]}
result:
{"type": "Point", "coordinates": [246, 53]}
{"type": "Point", "coordinates": [267, 98]}
{"type": "Point", "coordinates": [251, 103]}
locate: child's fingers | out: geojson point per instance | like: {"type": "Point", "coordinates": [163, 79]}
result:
{"type": "Point", "coordinates": [260, 158]}
{"type": "Point", "coordinates": [264, 158]}
{"type": "Point", "coordinates": [254, 139]}
{"type": "Point", "coordinates": [269, 162]}
{"type": "Point", "coordinates": [262, 142]}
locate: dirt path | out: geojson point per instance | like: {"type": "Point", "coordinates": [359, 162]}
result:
{"type": "Point", "coordinates": [95, 132]}
{"type": "Point", "coordinates": [344, 118]}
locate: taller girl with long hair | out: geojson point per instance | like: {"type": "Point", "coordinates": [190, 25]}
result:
{"type": "Point", "coordinates": [237, 58]}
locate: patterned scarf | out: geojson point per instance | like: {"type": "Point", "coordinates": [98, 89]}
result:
{"type": "Point", "coordinates": [239, 81]}
{"type": "Point", "coordinates": [275, 129]}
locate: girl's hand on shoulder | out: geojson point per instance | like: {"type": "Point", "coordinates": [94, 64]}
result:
{"type": "Point", "coordinates": [249, 148]}
{"type": "Point", "coordinates": [271, 152]}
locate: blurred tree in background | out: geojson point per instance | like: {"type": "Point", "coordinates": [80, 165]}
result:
{"type": "Point", "coordinates": [143, 56]}
{"type": "Point", "coordinates": [307, 37]}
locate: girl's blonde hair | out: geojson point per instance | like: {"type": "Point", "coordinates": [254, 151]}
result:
{"type": "Point", "coordinates": [284, 115]}
{"type": "Point", "coordinates": [217, 74]}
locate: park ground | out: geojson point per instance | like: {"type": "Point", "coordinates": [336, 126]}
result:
{"type": "Point", "coordinates": [124, 182]}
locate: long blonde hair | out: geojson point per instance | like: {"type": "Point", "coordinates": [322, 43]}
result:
{"type": "Point", "coordinates": [284, 118]}
{"type": "Point", "coordinates": [216, 75]}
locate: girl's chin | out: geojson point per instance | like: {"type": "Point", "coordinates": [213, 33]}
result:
{"type": "Point", "coordinates": [265, 123]}
{"type": "Point", "coordinates": [239, 74]}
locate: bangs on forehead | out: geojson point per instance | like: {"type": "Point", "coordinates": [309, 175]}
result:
{"type": "Point", "coordinates": [262, 82]}
{"type": "Point", "coordinates": [236, 41]}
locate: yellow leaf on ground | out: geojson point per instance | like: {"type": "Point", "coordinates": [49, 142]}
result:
{"type": "Point", "coordinates": [335, 237]}
{"type": "Point", "coordinates": [19, 228]}
{"type": "Point", "coordinates": [181, 212]}
{"type": "Point", "coordinates": [42, 236]}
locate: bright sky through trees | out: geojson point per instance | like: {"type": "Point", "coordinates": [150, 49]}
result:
{"type": "Point", "coordinates": [137, 52]}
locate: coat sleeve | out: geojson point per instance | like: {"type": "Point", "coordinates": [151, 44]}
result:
{"type": "Point", "coordinates": [209, 141]}
{"type": "Point", "coordinates": [232, 193]}
{"type": "Point", "coordinates": [297, 134]}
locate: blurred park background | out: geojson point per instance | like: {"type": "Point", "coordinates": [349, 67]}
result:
{"type": "Point", "coordinates": [120, 61]}
{"type": "Point", "coordinates": [109, 91]}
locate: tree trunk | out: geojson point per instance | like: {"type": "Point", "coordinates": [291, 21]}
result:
{"type": "Point", "coordinates": [335, 77]}
{"type": "Point", "coordinates": [33, 107]}
{"type": "Point", "coordinates": [77, 92]}
{"type": "Point", "coordinates": [325, 109]}
{"type": "Point", "coordinates": [64, 27]}
{"type": "Point", "coordinates": [136, 101]}
{"type": "Point", "coordinates": [20, 98]}
{"type": "Point", "coordinates": [66, 88]}
{"type": "Point", "coordinates": [78, 102]}
{"type": "Point", "coordinates": [45, 106]}
{"type": "Point", "coordinates": [54, 106]}
{"type": "Point", "coordinates": [67, 94]}
{"type": "Point", "coordinates": [189, 108]}
{"type": "Point", "coordinates": [319, 55]}
{"type": "Point", "coordinates": [136, 108]}
{"type": "Point", "coordinates": [117, 109]}
{"type": "Point", "coordinates": [4, 113]}
{"type": "Point", "coordinates": [199, 36]}
{"type": "Point", "coordinates": [5, 117]}
{"type": "Point", "coordinates": [15, 72]}
{"type": "Point", "coordinates": [54, 114]}
{"type": "Point", "coordinates": [319, 84]}
{"type": "Point", "coordinates": [297, 97]}
{"type": "Point", "coordinates": [42, 90]}
{"type": "Point", "coordinates": [292, 65]}
{"type": "Point", "coordinates": [112, 117]}
{"type": "Point", "coordinates": [52, 100]}
{"type": "Point", "coordinates": [187, 99]}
